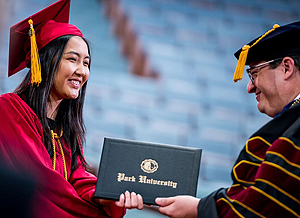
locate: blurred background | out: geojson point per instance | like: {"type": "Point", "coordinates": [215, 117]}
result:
{"type": "Point", "coordinates": [162, 72]}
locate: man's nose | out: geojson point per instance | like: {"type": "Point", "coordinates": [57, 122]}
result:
{"type": "Point", "coordinates": [250, 87]}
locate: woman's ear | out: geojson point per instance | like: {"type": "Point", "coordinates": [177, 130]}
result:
{"type": "Point", "coordinates": [289, 67]}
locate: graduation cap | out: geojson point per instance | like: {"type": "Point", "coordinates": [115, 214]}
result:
{"type": "Point", "coordinates": [276, 43]}
{"type": "Point", "coordinates": [33, 33]}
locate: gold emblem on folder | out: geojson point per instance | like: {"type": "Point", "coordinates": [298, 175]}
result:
{"type": "Point", "coordinates": [149, 166]}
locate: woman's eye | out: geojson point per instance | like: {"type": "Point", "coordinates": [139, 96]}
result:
{"type": "Point", "coordinates": [72, 59]}
{"type": "Point", "coordinates": [86, 63]}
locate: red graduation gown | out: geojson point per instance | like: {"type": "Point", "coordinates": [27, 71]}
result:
{"type": "Point", "coordinates": [22, 148]}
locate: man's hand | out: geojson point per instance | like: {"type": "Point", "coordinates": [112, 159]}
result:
{"type": "Point", "coordinates": [182, 206]}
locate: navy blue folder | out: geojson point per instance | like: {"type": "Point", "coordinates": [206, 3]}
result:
{"type": "Point", "coordinates": [150, 169]}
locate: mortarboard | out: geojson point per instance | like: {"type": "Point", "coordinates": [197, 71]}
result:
{"type": "Point", "coordinates": [45, 25]}
{"type": "Point", "coordinates": [276, 43]}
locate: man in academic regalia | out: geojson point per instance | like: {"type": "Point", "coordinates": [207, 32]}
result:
{"type": "Point", "coordinates": [266, 175]}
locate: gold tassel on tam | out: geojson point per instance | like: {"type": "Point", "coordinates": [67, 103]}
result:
{"type": "Point", "coordinates": [35, 68]}
{"type": "Point", "coordinates": [239, 70]}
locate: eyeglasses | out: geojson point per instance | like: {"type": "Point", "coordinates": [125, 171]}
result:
{"type": "Point", "coordinates": [253, 71]}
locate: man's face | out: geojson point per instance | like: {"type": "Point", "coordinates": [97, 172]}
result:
{"type": "Point", "coordinates": [266, 86]}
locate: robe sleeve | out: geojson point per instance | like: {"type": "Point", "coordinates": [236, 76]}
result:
{"type": "Point", "coordinates": [84, 183]}
{"type": "Point", "coordinates": [270, 191]}
{"type": "Point", "coordinates": [207, 206]}
{"type": "Point", "coordinates": [22, 149]}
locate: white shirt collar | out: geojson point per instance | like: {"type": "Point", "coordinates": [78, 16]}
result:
{"type": "Point", "coordinates": [298, 96]}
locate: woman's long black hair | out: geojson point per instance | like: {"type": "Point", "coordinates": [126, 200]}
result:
{"type": "Point", "coordinates": [69, 115]}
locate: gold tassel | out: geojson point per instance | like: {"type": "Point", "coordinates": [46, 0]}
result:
{"type": "Point", "coordinates": [35, 68]}
{"type": "Point", "coordinates": [239, 70]}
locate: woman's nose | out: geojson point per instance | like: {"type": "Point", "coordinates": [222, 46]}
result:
{"type": "Point", "coordinates": [80, 70]}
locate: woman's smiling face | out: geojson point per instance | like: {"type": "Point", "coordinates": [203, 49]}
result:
{"type": "Point", "coordinates": [73, 70]}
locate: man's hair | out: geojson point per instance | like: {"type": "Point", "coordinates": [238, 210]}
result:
{"type": "Point", "coordinates": [69, 117]}
{"type": "Point", "coordinates": [296, 59]}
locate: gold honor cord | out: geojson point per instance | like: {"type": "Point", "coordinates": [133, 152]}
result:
{"type": "Point", "coordinates": [55, 136]}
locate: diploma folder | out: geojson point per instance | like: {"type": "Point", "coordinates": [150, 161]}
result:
{"type": "Point", "coordinates": [150, 169]}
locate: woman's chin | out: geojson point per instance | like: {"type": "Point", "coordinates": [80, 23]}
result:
{"type": "Point", "coordinates": [73, 95]}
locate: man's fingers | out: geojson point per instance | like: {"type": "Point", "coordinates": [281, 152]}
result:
{"type": "Point", "coordinates": [164, 201]}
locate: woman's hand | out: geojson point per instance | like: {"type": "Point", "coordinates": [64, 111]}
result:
{"type": "Point", "coordinates": [178, 206]}
{"type": "Point", "coordinates": [130, 201]}
{"type": "Point", "coordinates": [127, 201]}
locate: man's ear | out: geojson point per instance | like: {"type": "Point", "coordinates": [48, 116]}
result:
{"type": "Point", "coordinates": [288, 65]}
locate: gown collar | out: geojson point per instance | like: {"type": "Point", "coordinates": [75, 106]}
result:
{"type": "Point", "coordinates": [288, 105]}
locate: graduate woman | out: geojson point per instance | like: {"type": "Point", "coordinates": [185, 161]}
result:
{"type": "Point", "coordinates": [41, 128]}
